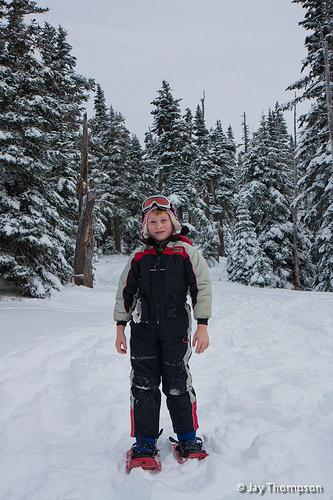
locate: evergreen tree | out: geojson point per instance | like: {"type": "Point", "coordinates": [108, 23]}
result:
{"type": "Point", "coordinates": [150, 161]}
{"type": "Point", "coordinates": [97, 152]}
{"type": "Point", "coordinates": [113, 164]}
{"type": "Point", "coordinates": [172, 152]}
{"type": "Point", "coordinates": [30, 255]}
{"type": "Point", "coordinates": [99, 122]}
{"type": "Point", "coordinates": [188, 117]}
{"type": "Point", "coordinates": [165, 126]}
{"type": "Point", "coordinates": [222, 181]}
{"type": "Point", "coordinates": [65, 94]}
{"type": "Point", "coordinates": [243, 149]}
{"type": "Point", "coordinates": [206, 174]}
{"type": "Point", "coordinates": [246, 133]}
{"type": "Point", "coordinates": [36, 244]}
{"type": "Point", "coordinates": [265, 190]}
{"type": "Point", "coordinates": [122, 178]}
{"type": "Point", "coordinates": [246, 262]}
{"type": "Point", "coordinates": [138, 186]}
{"type": "Point", "coordinates": [314, 149]}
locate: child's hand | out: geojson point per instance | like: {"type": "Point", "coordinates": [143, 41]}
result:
{"type": "Point", "coordinates": [121, 344]}
{"type": "Point", "coordinates": [201, 339]}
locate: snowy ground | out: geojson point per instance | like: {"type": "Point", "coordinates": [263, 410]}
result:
{"type": "Point", "coordinates": [264, 392]}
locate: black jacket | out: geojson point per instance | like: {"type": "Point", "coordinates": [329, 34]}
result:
{"type": "Point", "coordinates": [161, 277]}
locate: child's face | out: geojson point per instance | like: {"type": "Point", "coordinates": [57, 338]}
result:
{"type": "Point", "coordinates": [159, 225]}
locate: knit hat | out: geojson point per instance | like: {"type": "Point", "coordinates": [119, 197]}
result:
{"type": "Point", "coordinates": [173, 216]}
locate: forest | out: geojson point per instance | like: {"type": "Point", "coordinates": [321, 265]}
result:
{"type": "Point", "coordinates": [265, 204]}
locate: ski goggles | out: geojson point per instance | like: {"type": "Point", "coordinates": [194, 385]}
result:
{"type": "Point", "coordinates": [158, 201]}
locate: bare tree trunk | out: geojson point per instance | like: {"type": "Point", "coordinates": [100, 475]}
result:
{"type": "Point", "coordinates": [117, 233]}
{"type": "Point", "coordinates": [205, 198]}
{"type": "Point", "coordinates": [221, 247]}
{"type": "Point", "coordinates": [83, 272]}
{"type": "Point", "coordinates": [328, 91]}
{"type": "Point", "coordinates": [294, 211]}
{"type": "Point", "coordinates": [160, 180]}
{"type": "Point", "coordinates": [203, 103]}
{"type": "Point", "coordinates": [296, 259]}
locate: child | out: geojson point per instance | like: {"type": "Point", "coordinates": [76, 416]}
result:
{"type": "Point", "coordinates": [152, 293]}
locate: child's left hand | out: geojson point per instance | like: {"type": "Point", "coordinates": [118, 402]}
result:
{"type": "Point", "coordinates": [201, 339]}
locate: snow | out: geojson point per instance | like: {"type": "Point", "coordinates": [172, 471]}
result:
{"type": "Point", "coordinates": [61, 182]}
{"type": "Point", "coordinates": [264, 391]}
{"type": "Point", "coordinates": [9, 202]}
{"type": "Point", "coordinates": [45, 240]}
{"type": "Point", "coordinates": [33, 132]}
{"type": "Point", "coordinates": [5, 135]}
{"type": "Point", "coordinates": [8, 229]}
{"type": "Point", "coordinates": [8, 158]}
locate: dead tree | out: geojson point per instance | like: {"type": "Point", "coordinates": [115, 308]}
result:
{"type": "Point", "coordinates": [203, 103]}
{"type": "Point", "coordinates": [83, 271]}
{"type": "Point", "coordinates": [328, 90]}
{"type": "Point", "coordinates": [294, 206]}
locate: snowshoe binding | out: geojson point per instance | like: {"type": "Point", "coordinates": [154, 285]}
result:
{"type": "Point", "coordinates": [186, 450]}
{"type": "Point", "coordinates": [143, 455]}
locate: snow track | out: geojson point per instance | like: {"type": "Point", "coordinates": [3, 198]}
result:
{"type": "Point", "coordinates": [264, 397]}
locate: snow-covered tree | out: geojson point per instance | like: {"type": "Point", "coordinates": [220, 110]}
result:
{"type": "Point", "coordinates": [36, 195]}
{"type": "Point", "coordinates": [30, 254]}
{"type": "Point", "coordinates": [98, 125]}
{"type": "Point", "coordinates": [205, 174]}
{"type": "Point", "coordinates": [63, 104]}
{"type": "Point", "coordinates": [116, 143]}
{"type": "Point", "coordinates": [121, 176]}
{"type": "Point", "coordinates": [167, 117]}
{"type": "Point", "coordinates": [314, 150]}
{"type": "Point", "coordinates": [247, 263]}
{"type": "Point", "coordinates": [222, 181]}
{"type": "Point", "coordinates": [139, 186]}
{"type": "Point", "coordinates": [172, 151]}
{"type": "Point", "coordinates": [266, 191]}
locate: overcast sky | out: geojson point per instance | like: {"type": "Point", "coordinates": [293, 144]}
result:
{"type": "Point", "coordinates": [242, 53]}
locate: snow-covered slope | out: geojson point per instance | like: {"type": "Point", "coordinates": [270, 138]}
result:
{"type": "Point", "coordinates": [264, 392]}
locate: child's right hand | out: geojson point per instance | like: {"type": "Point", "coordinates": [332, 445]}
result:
{"type": "Point", "coordinates": [121, 343]}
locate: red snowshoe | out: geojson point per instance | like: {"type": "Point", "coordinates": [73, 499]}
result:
{"type": "Point", "coordinates": [146, 458]}
{"type": "Point", "coordinates": [188, 450]}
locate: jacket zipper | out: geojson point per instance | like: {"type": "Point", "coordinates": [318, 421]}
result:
{"type": "Point", "coordinates": [158, 270]}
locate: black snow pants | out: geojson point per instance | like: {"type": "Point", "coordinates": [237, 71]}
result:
{"type": "Point", "coordinates": [160, 352]}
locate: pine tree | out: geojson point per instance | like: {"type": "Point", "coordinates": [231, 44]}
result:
{"type": "Point", "coordinates": [246, 133]}
{"type": "Point", "coordinates": [36, 243]}
{"type": "Point", "coordinates": [66, 93]}
{"type": "Point", "coordinates": [97, 151]}
{"type": "Point", "coordinates": [139, 187]}
{"type": "Point", "coordinates": [99, 122]}
{"type": "Point", "coordinates": [242, 149]}
{"type": "Point", "coordinates": [28, 241]}
{"type": "Point", "coordinates": [172, 151]}
{"type": "Point", "coordinates": [117, 143]}
{"type": "Point", "coordinates": [209, 231]}
{"type": "Point", "coordinates": [166, 119]}
{"type": "Point", "coordinates": [246, 262]}
{"type": "Point", "coordinates": [266, 189]}
{"type": "Point", "coordinates": [150, 160]}
{"type": "Point", "coordinates": [222, 181]}
{"type": "Point", "coordinates": [122, 178]}
{"type": "Point", "coordinates": [314, 149]}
